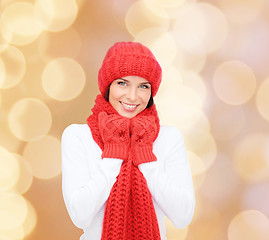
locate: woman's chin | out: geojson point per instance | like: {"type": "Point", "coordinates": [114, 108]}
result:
{"type": "Point", "coordinates": [128, 114]}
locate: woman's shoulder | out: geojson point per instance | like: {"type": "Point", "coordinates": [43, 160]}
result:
{"type": "Point", "coordinates": [76, 127]}
{"type": "Point", "coordinates": [77, 130]}
{"type": "Point", "coordinates": [169, 139]}
{"type": "Point", "coordinates": [170, 132]}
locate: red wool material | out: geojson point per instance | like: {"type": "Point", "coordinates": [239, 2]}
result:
{"type": "Point", "coordinates": [129, 213]}
{"type": "Point", "coordinates": [129, 59]}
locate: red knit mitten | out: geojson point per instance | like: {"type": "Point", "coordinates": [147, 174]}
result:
{"type": "Point", "coordinates": [143, 134]}
{"type": "Point", "coordinates": [115, 132]}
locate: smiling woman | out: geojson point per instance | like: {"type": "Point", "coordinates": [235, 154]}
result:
{"type": "Point", "coordinates": [122, 172]}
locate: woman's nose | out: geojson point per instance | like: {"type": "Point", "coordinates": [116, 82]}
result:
{"type": "Point", "coordinates": [132, 94]}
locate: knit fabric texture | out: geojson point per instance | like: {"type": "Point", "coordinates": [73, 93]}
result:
{"type": "Point", "coordinates": [129, 212]}
{"type": "Point", "coordinates": [129, 59]}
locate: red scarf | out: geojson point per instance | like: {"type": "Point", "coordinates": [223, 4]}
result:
{"type": "Point", "coordinates": [129, 213]}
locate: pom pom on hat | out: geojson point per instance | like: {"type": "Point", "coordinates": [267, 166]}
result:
{"type": "Point", "coordinates": [129, 59]}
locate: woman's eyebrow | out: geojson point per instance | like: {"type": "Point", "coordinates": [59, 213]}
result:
{"type": "Point", "coordinates": [124, 79]}
{"type": "Point", "coordinates": [146, 83]}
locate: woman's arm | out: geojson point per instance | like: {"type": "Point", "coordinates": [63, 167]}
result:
{"type": "Point", "coordinates": [85, 188]}
{"type": "Point", "coordinates": [169, 178]}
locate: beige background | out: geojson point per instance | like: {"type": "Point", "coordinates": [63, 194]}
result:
{"type": "Point", "coordinates": [215, 89]}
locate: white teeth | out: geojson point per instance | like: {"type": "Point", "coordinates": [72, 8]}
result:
{"type": "Point", "coordinates": [129, 106]}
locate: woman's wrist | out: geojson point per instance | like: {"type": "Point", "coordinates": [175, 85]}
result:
{"type": "Point", "coordinates": [116, 150]}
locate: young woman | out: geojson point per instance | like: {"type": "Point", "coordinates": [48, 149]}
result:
{"type": "Point", "coordinates": [123, 172]}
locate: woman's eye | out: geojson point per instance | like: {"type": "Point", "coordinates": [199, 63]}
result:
{"type": "Point", "coordinates": [122, 83]}
{"type": "Point", "coordinates": [145, 86]}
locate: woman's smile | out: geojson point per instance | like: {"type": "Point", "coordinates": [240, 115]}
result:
{"type": "Point", "coordinates": [129, 107]}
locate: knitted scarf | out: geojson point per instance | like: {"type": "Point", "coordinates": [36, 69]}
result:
{"type": "Point", "coordinates": [129, 212]}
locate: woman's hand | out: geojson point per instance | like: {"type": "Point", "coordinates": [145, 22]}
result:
{"type": "Point", "coordinates": [143, 133]}
{"type": "Point", "coordinates": [115, 132]}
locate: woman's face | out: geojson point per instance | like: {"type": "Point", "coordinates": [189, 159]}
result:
{"type": "Point", "coordinates": [129, 95]}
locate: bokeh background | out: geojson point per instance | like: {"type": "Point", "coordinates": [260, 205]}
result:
{"type": "Point", "coordinates": [215, 89]}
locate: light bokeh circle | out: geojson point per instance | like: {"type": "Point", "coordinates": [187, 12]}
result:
{"type": "Point", "coordinates": [13, 211]}
{"type": "Point", "coordinates": [3, 40]}
{"type": "Point", "coordinates": [156, 8]}
{"type": "Point", "coordinates": [29, 119]}
{"type": "Point", "coordinates": [241, 12]}
{"type": "Point", "coordinates": [202, 144]}
{"type": "Point", "coordinates": [198, 180]}
{"type": "Point", "coordinates": [250, 158]}
{"type": "Point", "coordinates": [44, 156]}
{"type": "Point", "coordinates": [160, 42]}
{"type": "Point", "coordinates": [9, 170]}
{"type": "Point", "coordinates": [2, 72]}
{"type": "Point", "coordinates": [57, 15]}
{"type": "Point", "coordinates": [139, 17]}
{"type": "Point", "coordinates": [195, 82]}
{"type": "Point", "coordinates": [216, 27]}
{"type": "Point", "coordinates": [12, 67]}
{"type": "Point", "coordinates": [190, 27]}
{"type": "Point", "coordinates": [169, 8]}
{"type": "Point", "coordinates": [25, 177]}
{"type": "Point", "coordinates": [15, 233]}
{"type": "Point", "coordinates": [196, 163]}
{"type": "Point", "coordinates": [262, 99]}
{"type": "Point", "coordinates": [192, 60]}
{"type": "Point", "coordinates": [201, 26]}
{"type": "Point", "coordinates": [234, 82]}
{"type": "Point", "coordinates": [164, 49]}
{"type": "Point", "coordinates": [63, 79]}
{"type": "Point", "coordinates": [249, 225]}
{"type": "Point", "coordinates": [18, 23]}
{"type": "Point", "coordinates": [167, 3]}
{"type": "Point", "coordinates": [203, 122]}
{"type": "Point", "coordinates": [30, 221]}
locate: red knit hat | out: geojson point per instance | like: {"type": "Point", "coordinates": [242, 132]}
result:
{"type": "Point", "coordinates": [129, 59]}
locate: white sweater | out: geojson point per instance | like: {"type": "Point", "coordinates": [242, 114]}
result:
{"type": "Point", "coordinates": [87, 179]}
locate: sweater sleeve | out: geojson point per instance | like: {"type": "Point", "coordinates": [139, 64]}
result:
{"type": "Point", "coordinates": [169, 179]}
{"type": "Point", "coordinates": [85, 189]}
